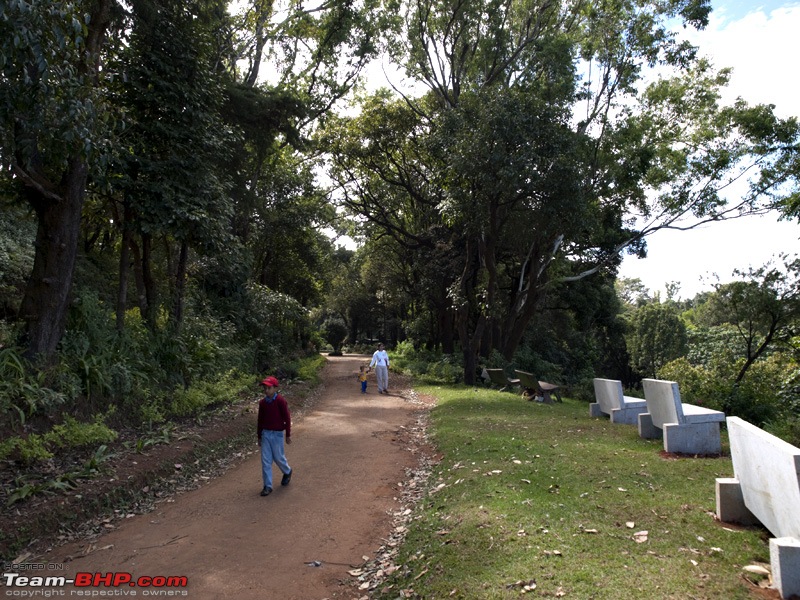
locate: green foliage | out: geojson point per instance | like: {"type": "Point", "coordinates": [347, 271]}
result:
{"type": "Point", "coordinates": [73, 434]}
{"type": "Point", "coordinates": [43, 47]}
{"type": "Point", "coordinates": [70, 434]}
{"type": "Point", "coordinates": [202, 395]}
{"type": "Point", "coordinates": [17, 233]}
{"type": "Point", "coordinates": [310, 367]}
{"type": "Point", "coordinates": [429, 365]}
{"type": "Point", "coordinates": [23, 487]}
{"type": "Point", "coordinates": [754, 398]}
{"type": "Point", "coordinates": [656, 336]}
{"type": "Point", "coordinates": [23, 391]}
{"type": "Point", "coordinates": [28, 450]}
{"type": "Point", "coordinates": [334, 330]}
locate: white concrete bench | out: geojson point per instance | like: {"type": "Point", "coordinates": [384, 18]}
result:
{"type": "Point", "coordinates": [686, 428]}
{"type": "Point", "coordinates": [613, 402]}
{"type": "Point", "coordinates": [766, 489]}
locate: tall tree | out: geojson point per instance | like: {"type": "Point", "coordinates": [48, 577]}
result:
{"type": "Point", "coordinates": [545, 139]}
{"type": "Point", "coordinates": [51, 124]}
{"type": "Point", "coordinates": [173, 189]}
{"type": "Point", "coordinates": [763, 306]}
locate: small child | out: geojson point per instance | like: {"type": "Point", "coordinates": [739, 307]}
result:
{"type": "Point", "coordinates": [362, 377]}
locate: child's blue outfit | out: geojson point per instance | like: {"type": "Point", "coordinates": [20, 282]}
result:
{"type": "Point", "coordinates": [362, 377]}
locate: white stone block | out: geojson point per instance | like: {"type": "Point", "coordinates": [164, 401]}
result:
{"type": "Point", "coordinates": [768, 470]}
{"type": "Point", "coordinates": [730, 503]}
{"type": "Point", "coordinates": [784, 554]}
{"type": "Point", "coordinates": [612, 401]}
{"type": "Point", "coordinates": [692, 429]}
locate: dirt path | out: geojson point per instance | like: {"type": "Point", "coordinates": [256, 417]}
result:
{"type": "Point", "coordinates": [348, 457]}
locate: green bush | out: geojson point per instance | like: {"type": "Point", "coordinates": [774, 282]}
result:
{"type": "Point", "coordinates": [73, 434]}
{"type": "Point", "coordinates": [68, 435]}
{"type": "Point", "coordinates": [23, 391]}
{"type": "Point", "coordinates": [27, 450]}
{"type": "Point", "coordinates": [788, 429]}
{"type": "Point", "coordinates": [334, 330]}
{"type": "Point", "coordinates": [754, 399]}
{"type": "Point", "coordinates": [310, 367]}
{"type": "Point", "coordinates": [202, 395]}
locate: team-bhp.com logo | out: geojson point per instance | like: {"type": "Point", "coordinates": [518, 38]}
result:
{"type": "Point", "coordinates": [93, 585]}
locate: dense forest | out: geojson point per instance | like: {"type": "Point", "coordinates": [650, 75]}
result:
{"type": "Point", "coordinates": [176, 177]}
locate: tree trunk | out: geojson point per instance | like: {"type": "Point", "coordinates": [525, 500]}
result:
{"type": "Point", "coordinates": [46, 300]}
{"type": "Point", "coordinates": [180, 288]}
{"type": "Point", "coordinates": [58, 210]}
{"type": "Point", "coordinates": [149, 282]}
{"type": "Point", "coordinates": [124, 269]}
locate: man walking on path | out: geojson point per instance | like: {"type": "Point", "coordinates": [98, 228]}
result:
{"type": "Point", "coordinates": [380, 360]}
{"type": "Point", "coordinates": [222, 535]}
{"type": "Point", "coordinates": [273, 420]}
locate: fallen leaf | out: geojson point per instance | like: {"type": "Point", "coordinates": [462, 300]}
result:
{"type": "Point", "coordinates": [757, 569]}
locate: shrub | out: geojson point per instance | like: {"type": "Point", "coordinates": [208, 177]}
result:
{"type": "Point", "coordinates": [23, 392]}
{"type": "Point", "coordinates": [334, 330]}
{"type": "Point", "coordinates": [70, 434]}
{"type": "Point", "coordinates": [200, 396]}
{"type": "Point", "coordinates": [73, 434]}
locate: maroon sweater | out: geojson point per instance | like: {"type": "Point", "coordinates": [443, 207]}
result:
{"type": "Point", "coordinates": [274, 415]}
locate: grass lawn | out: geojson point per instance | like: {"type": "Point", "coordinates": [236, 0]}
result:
{"type": "Point", "coordinates": [544, 501]}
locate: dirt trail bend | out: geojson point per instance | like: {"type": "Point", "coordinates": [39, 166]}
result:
{"type": "Point", "coordinates": [348, 456]}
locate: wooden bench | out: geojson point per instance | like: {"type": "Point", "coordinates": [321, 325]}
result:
{"type": "Point", "coordinates": [498, 377]}
{"type": "Point", "coordinates": [765, 489]}
{"type": "Point", "coordinates": [533, 388]}
{"type": "Point", "coordinates": [611, 401]}
{"type": "Point", "coordinates": [686, 428]}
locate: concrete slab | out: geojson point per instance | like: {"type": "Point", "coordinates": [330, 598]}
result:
{"type": "Point", "coordinates": [612, 401]}
{"type": "Point", "coordinates": [687, 429]}
{"type": "Point", "coordinates": [768, 469]}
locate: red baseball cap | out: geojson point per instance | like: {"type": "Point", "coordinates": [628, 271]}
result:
{"type": "Point", "coordinates": [270, 382]}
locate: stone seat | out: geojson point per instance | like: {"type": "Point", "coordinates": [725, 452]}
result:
{"type": "Point", "coordinates": [685, 428]}
{"type": "Point", "coordinates": [765, 489]}
{"type": "Point", "coordinates": [612, 402]}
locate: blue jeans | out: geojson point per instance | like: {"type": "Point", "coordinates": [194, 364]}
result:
{"type": "Point", "coordinates": [272, 450]}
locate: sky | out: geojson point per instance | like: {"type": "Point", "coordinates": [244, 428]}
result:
{"type": "Point", "coordinates": [760, 41]}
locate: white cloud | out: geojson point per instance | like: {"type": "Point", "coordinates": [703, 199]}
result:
{"type": "Point", "coordinates": [761, 47]}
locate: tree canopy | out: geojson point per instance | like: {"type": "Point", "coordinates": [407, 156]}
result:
{"type": "Point", "coordinates": [175, 173]}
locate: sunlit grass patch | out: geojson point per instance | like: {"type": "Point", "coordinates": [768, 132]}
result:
{"type": "Point", "coordinates": [544, 500]}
